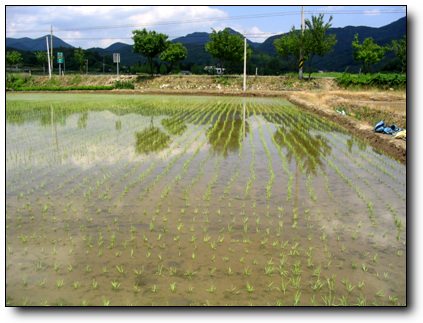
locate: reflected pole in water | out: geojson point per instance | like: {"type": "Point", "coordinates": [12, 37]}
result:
{"type": "Point", "coordinates": [243, 127]}
{"type": "Point", "coordinates": [54, 130]}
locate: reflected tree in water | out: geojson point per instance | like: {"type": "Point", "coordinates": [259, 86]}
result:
{"type": "Point", "coordinates": [224, 136]}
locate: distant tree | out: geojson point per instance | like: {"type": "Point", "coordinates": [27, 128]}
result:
{"type": "Point", "coordinates": [174, 53]}
{"type": "Point", "coordinates": [400, 49]}
{"type": "Point", "coordinates": [316, 40]}
{"type": "Point", "coordinates": [227, 47]}
{"type": "Point", "coordinates": [80, 58]}
{"type": "Point", "coordinates": [313, 41]}
{"type": "Point", "coordinates": [13, 58]}
{"type": "Point", "coordinates": [163, 69]}
{"type": "Point", "coordinates": [149, 44]}
{"type": "Point", "coordinates": [42, 58]}
{"type": "Point", "coordinates": [289, 47]}
{"type": "Point", "coordinates": [368, 52]}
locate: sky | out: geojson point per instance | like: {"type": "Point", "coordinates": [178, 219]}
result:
{"type": "Point", "coordinates": [101, 26]}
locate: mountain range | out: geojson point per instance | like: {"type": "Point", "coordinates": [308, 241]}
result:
{"type": "Point", "coordinates": [338, 60]}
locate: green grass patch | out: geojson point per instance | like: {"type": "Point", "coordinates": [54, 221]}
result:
{"type": "Point", "coordinates": [378, 80]}
{"type": "Point", "coordinates": [68, 88]}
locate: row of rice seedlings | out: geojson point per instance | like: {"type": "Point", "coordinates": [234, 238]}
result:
{"type": "Point", "coordinates": [269, 166]}
{"type": "Point", "coordinates": [241, 149]}
{"type": "Point", "coordinates": [253, 161]}
{"type": "Point", "coordinates": [178, 155]}
{"type": "Point", "coordinates": [206, 196]}
{"type": "Point", "coordinates": [178, 176]}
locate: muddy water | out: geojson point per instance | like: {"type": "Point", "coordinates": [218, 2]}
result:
{"type": "Point", "coordinates": [228, 202]}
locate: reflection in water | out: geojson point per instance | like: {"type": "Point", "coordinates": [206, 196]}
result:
{"type": "Point", "coordinates": [118, 125]}
{"type": "Point", "coordinates": [360, 143]}
{"type": "Point", "coordinates": [304, 146]}
{"type": "Point", "coordinates": [174, 125]}
{"type": "Point", "coordinates": [54, 134]}
{"type": "Point", "coordinates": [223, 136]}
{"type": "Point", "coordinates": [151, 139]}
{"type": "Point", "coordinates": [82, 121]}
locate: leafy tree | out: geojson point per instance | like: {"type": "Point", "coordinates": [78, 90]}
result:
{"type": "Point", "coordinates": [289, 47]}
{"type": "Point", "coordinates": [400, 49]}
{"type": "Point", "coordinates": [42, 58]}
{"type": "Point", "coordinates": [174, 53]}
{"type": "Point", "coordinates": [316, 40]}
{"type": "Point", "coordinates": [149, 44]}
{"type": "Point", "coordinates": [80, 58]}
{"type": "Point", "coordinates": [227, 47]}
{"type": "Point", "coordinates": [313, 41]}
{"type": "Point", "coordinates": [368, 52]}
{"type": "Point", "coordinates": [13, 58]}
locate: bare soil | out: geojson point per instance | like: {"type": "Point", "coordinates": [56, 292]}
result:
{"type": "Point", "coordinates": [321, 96]}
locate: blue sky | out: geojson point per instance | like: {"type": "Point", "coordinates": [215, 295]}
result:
{"type": "Point", "coordinates": [101, 26]}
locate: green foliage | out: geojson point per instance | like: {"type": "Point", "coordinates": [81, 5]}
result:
{"type": "Point", "coordinates": [368, 52]}
{"type": "Point", "coordinates": [70, 88]}
{"type": "Point", "coordinates": [124, 85]}
{"type": "Point", "coordinates": [80, 58]}
{"type": "Point", "coordinates": [288, 47]}
{"type": "Point", "coordinates": [149, 44]}
{"type": "Point", "coordinates": [13, 58]}
{"type": "Point", "coordinates": [227, 47]}
{"type": "Point", "coordinates": [400, 49]}
{"type": "Point", "coordinates": [15, 81]}
{"type": "Point", "coordinates": [379, 80]}
{"type": "Point", "coordinates": [313, 41]}
{"type": "Point", "coordinates": [174, 53]}
{"type": "Point", "coordinates": [316, 40]}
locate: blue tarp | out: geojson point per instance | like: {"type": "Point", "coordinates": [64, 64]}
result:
{"type": "Point", "coordinates": [390, 130]}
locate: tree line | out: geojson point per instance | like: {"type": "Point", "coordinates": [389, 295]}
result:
{"type": "Point", "coordinates": [228, 50]}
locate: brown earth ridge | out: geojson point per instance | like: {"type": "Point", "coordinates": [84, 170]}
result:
{"type": "Point", "coordinates": [321, 96]}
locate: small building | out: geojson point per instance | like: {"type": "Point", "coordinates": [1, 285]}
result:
{"type": "Point", "coordinates": [214, 70]}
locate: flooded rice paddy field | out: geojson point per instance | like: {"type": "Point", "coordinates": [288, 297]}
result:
{"type": "Point", "coordinates": [154, 200]}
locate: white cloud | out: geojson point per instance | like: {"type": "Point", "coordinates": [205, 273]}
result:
{"type": "Point", "coordinates": [256, 35]}
{"type": "Point", "coordinates": [108, 22]}
{"type": "Point", "coordinates": [375, 12]}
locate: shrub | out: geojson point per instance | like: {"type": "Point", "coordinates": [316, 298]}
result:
{"type": "Point", "coordinates": [124, 85]}
{"type": "Point", "coordinates": [70, 88]}
{"type": "Point", "coordinates": [378, 80]}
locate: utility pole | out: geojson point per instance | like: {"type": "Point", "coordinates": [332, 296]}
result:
{"type": "Point", "coordinates": [300, 72]}
{"type": "Point", "coordinates": [245, 60]}
{"type": "Point", "coordinates": [51, 47]}
{"type": "Point", "coordinates": [48, 58]}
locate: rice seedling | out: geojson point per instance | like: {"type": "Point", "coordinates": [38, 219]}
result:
{"type": "Point", "coordinates": [249, 288]}
{"type": "Point", "coordinates": [212, 288]}
{"type": "Point", "coordinates": [297, 297]}
{"type": "Point", "coordinates": [59, 283]}
{"type": "Point", "coordinates": [115, 284]}
{"type": "Point", "coordinates": [190, 273]}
